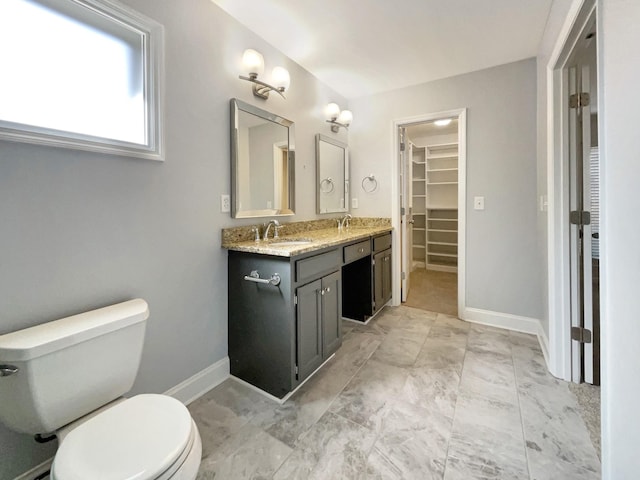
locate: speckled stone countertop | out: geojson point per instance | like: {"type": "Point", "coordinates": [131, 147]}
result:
{"type": "Point", "coordinates": [325, 234]}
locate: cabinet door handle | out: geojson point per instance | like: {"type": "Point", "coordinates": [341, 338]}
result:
{"type": "Point", "coordinates": [322, 292]}
{"type": "Point", "coordinates": [328, 289]}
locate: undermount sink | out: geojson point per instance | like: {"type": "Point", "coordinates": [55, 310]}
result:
{"type": "Point", "coordinates": [290, 243]}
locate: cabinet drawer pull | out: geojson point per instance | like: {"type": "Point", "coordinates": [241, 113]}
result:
{"type": "Point", "coordinates": [254, 276]}
{"type": "Point", "coordinates": [361, 250]}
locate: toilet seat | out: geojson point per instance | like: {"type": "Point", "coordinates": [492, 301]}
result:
{"type": "Point", "coordinates": [146, 437]}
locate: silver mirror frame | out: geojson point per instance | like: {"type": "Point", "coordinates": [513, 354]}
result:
{"type": "Point", "coordinates": [345, 147]}
{"type": "Point", "coordinates": [236, 107]}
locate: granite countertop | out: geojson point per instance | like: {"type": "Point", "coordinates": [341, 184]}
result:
{"type": "Point", "coordinates": [318, 239]}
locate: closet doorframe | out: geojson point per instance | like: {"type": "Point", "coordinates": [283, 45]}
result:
{"type": "Point", "coordinates": [396, 156]}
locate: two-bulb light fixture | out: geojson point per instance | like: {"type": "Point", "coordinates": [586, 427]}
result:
{"type": "Point", "coordinates": [253, 65]}
{"type": "Point", "coordinates": [338, 118]}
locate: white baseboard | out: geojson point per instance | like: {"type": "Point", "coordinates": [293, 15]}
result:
{"type": "Point", "coordinates": [511, 322]}
{"type": "Point", "coordinates": [543, 340]}
{"type": "Point", "coordinates": [502, 320]}
{"type": "Point", "coordinates": [441, 268]}
{"type": "Point", "coordinates": [35, 471]}
{"type": "Point", "coordinates": [200, 383]}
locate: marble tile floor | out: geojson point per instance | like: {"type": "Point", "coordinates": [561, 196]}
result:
{"type": "Point", "coordinates": [412, 395]}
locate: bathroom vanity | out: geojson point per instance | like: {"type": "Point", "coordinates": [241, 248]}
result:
{"type": "Point", "coordinates": [287, 298]}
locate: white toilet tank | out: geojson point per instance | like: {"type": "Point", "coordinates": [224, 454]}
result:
{"type": "Point", "coordinates": [70, 367]}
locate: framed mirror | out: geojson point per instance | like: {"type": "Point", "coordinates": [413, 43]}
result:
{"type": "Point", "coordinates": [332, 175]}
{"type": "Point", "coordinates": [262, 163]}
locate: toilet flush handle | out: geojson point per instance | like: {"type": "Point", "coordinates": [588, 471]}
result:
{"type": "Point", "coordinates": [6, 370]}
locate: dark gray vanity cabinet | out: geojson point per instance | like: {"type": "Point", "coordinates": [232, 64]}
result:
{"type": "Point", "coordinates": [279, 334]}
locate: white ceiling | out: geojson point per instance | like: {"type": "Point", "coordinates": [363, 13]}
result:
{"type": "Point", "coordinates": [427, 129]}
{"type": "Point", "coordinates": [360, 47]}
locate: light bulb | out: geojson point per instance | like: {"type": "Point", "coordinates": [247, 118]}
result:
{"type": "Point", "coordinates": [280, 78]}
{"type": "Point", "coordinates": [332, 110]}
{"type": "Point", "coordinates": [345, 117]}
{"type": "Point", "coordinates": [253, 62]}
{"type": "Point", "coordinates": [443, 123]}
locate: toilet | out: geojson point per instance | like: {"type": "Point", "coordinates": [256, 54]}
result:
{"type": "Point", "coordinates": [69, 376]}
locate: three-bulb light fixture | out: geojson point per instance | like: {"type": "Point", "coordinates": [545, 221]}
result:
{"type": "Point", "coordinates": [338, 118]}
{"type": "Point", "coordinates": [253, 65]}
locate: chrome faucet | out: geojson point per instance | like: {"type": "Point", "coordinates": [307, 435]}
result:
{"type": "Point", "coordinates": [275, 224]}
{"type": "Point", "coordinates": [346, 221]}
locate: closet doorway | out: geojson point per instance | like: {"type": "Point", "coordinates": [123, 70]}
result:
{"type": "Point", "coordinates": [573, 189]}
{"type": "Point", "coordinates": [584, 201]}
{"type": "Point", "coordinates": [431, 159]}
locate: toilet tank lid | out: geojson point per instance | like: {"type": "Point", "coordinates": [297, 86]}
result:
{"type": "Point", "coordinates": [42, 339]}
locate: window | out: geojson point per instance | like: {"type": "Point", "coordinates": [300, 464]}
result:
{"type": "Point", "coordinates": [80, 74]}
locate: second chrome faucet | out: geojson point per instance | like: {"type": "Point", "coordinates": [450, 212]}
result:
{"type": "Point", "coordinates": [276, 226]}
{"type": "Point", "coordinates": [345, 222]}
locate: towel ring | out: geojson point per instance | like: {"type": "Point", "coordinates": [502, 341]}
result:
{"type": "Point", "coordinates": [329, 182]}
{"type": "Point", "coordinates": [372, 182]}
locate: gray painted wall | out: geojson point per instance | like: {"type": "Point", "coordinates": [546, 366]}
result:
{"type": "Point", "coordinates": [503, 256]}
{"type": "Point", "coordinates": [82, 230]}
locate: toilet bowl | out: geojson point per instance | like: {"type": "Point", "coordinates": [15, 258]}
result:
{"type": "Point", "coordinates": [146, 437]}
{"type": "Point", "coordinates": [69, 376]}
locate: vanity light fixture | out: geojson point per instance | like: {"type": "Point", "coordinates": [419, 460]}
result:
{"type": "Point", "coordinates": [337, 118]}
{"type": "Point", "coordinates": [253, 64]}
{"type": "Point", "coordinates": [443, 122]}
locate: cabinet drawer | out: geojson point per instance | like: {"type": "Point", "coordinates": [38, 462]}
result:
{"type": "Point", "coordinates": [356, 251]}
{"type": "Point", "coordinates": [314, 266]}
{"type": "Point", "coordinates": [382, 242]}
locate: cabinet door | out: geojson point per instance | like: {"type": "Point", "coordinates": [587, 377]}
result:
{"type": "Point", "coordinates": [331, 322]}
{"type": "Point", "coordinates": [382, 274]}
{"type": "Point", "coordinates": [386, 276]}
{"type": "Point", "coordinates": [377, 282]}
{"type": "Point", "coordinates": [309, 328]}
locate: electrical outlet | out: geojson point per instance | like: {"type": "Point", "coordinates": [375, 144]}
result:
{"type": "Point", "coordinates": [225, 203]}
{"type": "Point", "coordinates": [354, 203]}
{"type": "Point", "coordinates": [478, 203]}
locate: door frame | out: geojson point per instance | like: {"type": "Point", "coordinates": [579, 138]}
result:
{"type": "Point", "coordinates": [461, 113]}
{"type": "Point", "coordinates": [406, 230]}
{"type": "Point", "coordinates": [558, 229]}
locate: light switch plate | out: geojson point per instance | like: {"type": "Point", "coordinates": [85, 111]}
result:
{"type": "Point", "coordinates": [354, 203]}
{"type": "Point", "coordinates": [478, 203]}
{"type": "Point", "coordinates": [225, 203]}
